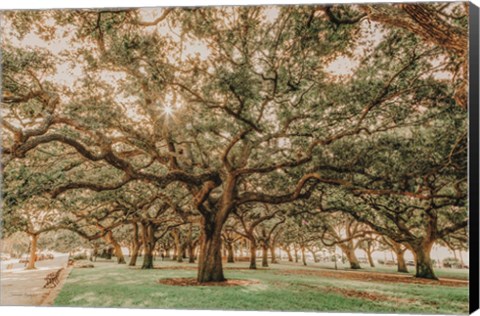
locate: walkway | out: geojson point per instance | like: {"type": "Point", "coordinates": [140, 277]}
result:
{"type": "Point", "coordinates": [25, 287]}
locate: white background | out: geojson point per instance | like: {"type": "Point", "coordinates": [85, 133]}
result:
{"type": "Point", "coordinates": [57, 311]}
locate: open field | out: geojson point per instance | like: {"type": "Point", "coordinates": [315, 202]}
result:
{"type": "Point", "coordinates": [282, 287]}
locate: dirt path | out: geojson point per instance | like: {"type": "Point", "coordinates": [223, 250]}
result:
{"type": "Point", "coordinates": [21, 287]}
{"type": "Point", "coordinates": [374, 276]}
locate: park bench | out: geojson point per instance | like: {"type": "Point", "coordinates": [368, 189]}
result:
{"type": "Point", "coordinates": [52, 278]}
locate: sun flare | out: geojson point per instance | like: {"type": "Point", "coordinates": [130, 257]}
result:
{"type": "Point", "coordinates": [168, 110]}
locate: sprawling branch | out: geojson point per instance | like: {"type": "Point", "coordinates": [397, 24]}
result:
{"type": "Point", "coordinates": [158, 20]}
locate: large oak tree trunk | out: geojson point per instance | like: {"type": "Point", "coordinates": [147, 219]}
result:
{"type": "Point", "coordinates": [33, 251]}
{"type": "Point", "coordinates": [119, 254]}
{"type": "Point", "coordinates": [190, 247]}
{"type": "Point", "coordinates": [210, 267]}
{"type": "Point", "coordinates": [148, 258]}
{"type": "Point", "coordinates": [230, 256]}
{"type": "Point", "coordinates": [135, 246]}
{"type": "Point", "coordinates": [191, 253]}
{"type": "Point", "coordinates": [253, 255]}
{"type": "Point", "coordinates": [399, 250]}
{"type": "Point", "coordinates": [424, 268]}
{"type": "Point", "coordinates": [304, 259]}
{"type": "Point", "coordinates": [264, 255]}
{"type": "Point", "coordinates": [289, 254]}
{"type": "Point", "coordinates": [401, 265]}
{"type": "Point", "coordinates": [134, 255]}
{"type": "Point", "coordinates": [351, 257]}
{"type": "Point", "coordinates": [272, 253]}
{"type": "Point", "coordinates": [116, 247]}
{"type": "Point", "coordinates": [370, 259]}
{"type": "Point", "coordinates": [175, 252]}
{"type": "Point", "coordinates": [178, 245]}
{"type": "Point", "coordinates": [180, 255]}
{"type": "Point", "coordinates": [148, 245]}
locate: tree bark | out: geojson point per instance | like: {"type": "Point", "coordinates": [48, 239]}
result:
{"type": "Point", "coordinates": [135, 247]}
{"type": "Point", "coordinates": [134, 255]}
{"type": "Point", "coordinates": [147, 259]}
{"type": "Point", "coordinates": [180, 255]}
{"type": "Point", "coordinates": [191, 253]}
{"type": "Point", "coordinates": [424, 268]}
{"type": "Point", "coordinates": [253, 254]}
{"type": "Point", "coordinates": [190, 247]}
{"type": "Point", "coordinates": [116, 247]}
{"type": "Point", "coordinates": [399, 252]}
{"type": "Point", "coordinates": [401, 265]}
{"type": "Point", "coordinates": [304, 259]}
{"type": "Point", "coordinates": [272, 253]}
{"type": "Point", "coordinates": [351, 257]}
{"type": "Point", "coordinates": [295, 249]}
{"type": "Point", "coordinates": [289, 254]}
{"type": "Point", "coordinates": [210, 267]}
{"type": "Point", "coordinates": [119, 253]}
{"type": "Point", "coordinates": [149, 241]}
{"type": "Point", "coordinates": [370, 259]}
{"type": "Point", "coordinates": [179, 247]}
{"type": "Point", "coordinates": [230, 257]}
{"type": "Point", "coordinates": [33, 251]}
{"type": "Point", "coordinates": [264, 255]}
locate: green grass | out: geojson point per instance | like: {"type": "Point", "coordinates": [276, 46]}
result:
{"type": "Point", "coordinates": [450, 273]}
{"type": "Point", "coordinates": [113, 285]}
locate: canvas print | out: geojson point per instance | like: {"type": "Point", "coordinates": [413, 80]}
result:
{"type": "Point", "coordinates": [268, 157]}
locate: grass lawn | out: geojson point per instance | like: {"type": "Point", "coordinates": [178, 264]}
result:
{"type": "Point", "coordinates": [461, 274]}
{"type": "Point", "coordinates": [113, 285]}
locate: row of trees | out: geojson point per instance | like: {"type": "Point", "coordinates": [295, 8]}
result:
{"type": "Point", "coordinates": [218, 121]}
{"type": "Point", "coordinates": [299, 238]}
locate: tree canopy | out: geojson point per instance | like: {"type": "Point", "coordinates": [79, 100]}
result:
{"type": "Point", "coordinates": [171, 116]}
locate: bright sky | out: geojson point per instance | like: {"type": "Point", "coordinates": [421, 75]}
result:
{"type": "Point", "coordinates": [344, 66]}
{"type": "Point", "coordinates": [67, 74]}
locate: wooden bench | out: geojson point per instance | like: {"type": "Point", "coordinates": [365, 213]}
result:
{"type": "Point", "coordinates": [52, 278]}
